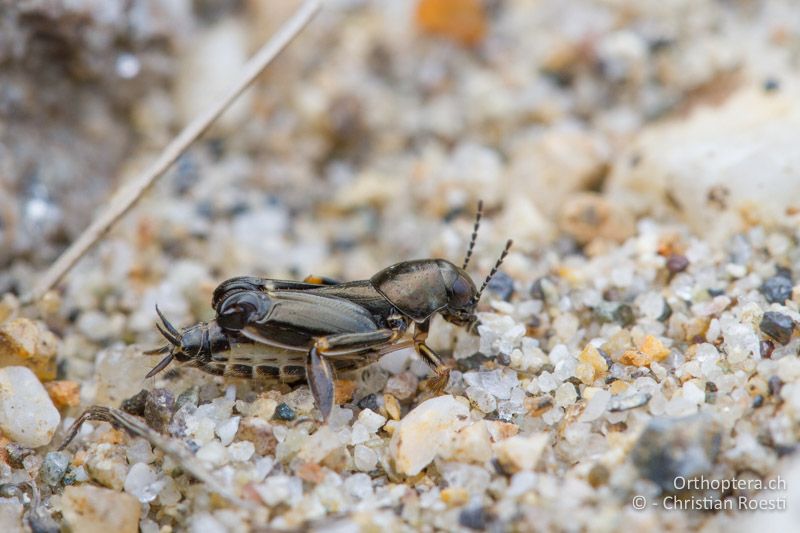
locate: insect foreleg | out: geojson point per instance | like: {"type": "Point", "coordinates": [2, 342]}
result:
{"type": "Point", "coordinates": [439, 381]}
{"type": "Point", "coordinates": [319, 369]}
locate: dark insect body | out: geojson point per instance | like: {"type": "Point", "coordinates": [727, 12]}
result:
{"type": "Point", "coordinates": [293, 331]}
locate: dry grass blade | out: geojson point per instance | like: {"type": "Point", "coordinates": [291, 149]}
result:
{"type": "Point", "coordinates": [129, 194]}
{"type": "Point", "coordinates": [170, 447]}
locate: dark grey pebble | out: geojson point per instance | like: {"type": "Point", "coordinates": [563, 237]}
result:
{"type": "Point", "coordinates": [502, 285]}
{"type": "Point", "coordinates": [777, 289]}
{"type": "Point", "coordinates": [778, 326]}
{"type": "Point", "coordinates": [284, 412]}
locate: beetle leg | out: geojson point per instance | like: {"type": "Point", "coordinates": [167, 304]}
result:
{"type": "Point", "coordinates": [438, 382]}
{"type": "Point", "coordinates": [319, 368]}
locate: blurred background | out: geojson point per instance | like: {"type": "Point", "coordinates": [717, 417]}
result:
{"type": "Point", "coordinates": [374, 135]}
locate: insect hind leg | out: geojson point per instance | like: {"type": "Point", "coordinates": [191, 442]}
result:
{"type": "Point", "coordinates": [319, 366]}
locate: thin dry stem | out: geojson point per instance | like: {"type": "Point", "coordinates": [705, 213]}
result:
{"type": "Point", "coordinates": [175, 449]}
{"type": "Point", "coordinates": [130, 193]}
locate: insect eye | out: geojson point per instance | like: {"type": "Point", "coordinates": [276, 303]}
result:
{"type": "Point", "coordinates": [462, 292]}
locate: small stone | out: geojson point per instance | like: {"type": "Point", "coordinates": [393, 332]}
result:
{"type": "Point", "coordinates": [11, 518]}
{"type": "Point", "coordinates": [500, 430]}
{"type": "Point", "coordinates": [501, 285]}
{"type": "Point", "coordinates": [284, 412]}
{"type": "Point", "coordinates": [618, 386]}
{"type": "Point", "coordinates": [598, 475]}
{"type": "Point", "coordinates": [359, 486]}
{"type": "Point", "coordinates": [119, 374]}
{"type": "Point", "coordinates": [472, 444]}
{"type": "Point", "coordinates": [774, 384]}
{"type": "Point", "coordinates": [454, 496]}
{"type": "Point", "coordinates": [64, 393]}
{"type": "Point", "coordinates": [778, 326]}
{"type": "Point", "coordinates": [547, 382]}
{"type": "Point", "coordinates": [481, 399]}
{"type": "Point", "coordinates": [585, 373]}
{"type": "Point", "coordinates": [371, 420]}
{"type": "Point", "coordinates": [143, 483]}
{"type": "Point", "coordinates": [241, 451]}
{"type": "Point", "coordinates": [777, 289]}
{"type": "Point", "coordinates": [76, 474]}
{"type": "Point", "coordinates": [24, 342]}
{"type": "Point", "coordinates": [624, 315]}
{"type": "Point", "coordinates": [107, 465]}
{"type": "Point", "coordinates": [499, 383]}
{"type": "Point", "coordinates": [190, 396]}
{"type": "Point", "coordinates": [596, 406]}
{"type": "Point", "coordinates": [425, 431]}
{"type": "Point", "coordinates": [343, 390]}
{"type": "Point", "coordinates": [626, 403]}
{"type": "Point", "coordinates": [520, 452]}
{"type": "Point", "coordinates": [369, 402]}
{"type": "Point", "coordinates": [677, 263]}
{"type": "Point", "coordinates": [259, 432]}
{"type": "Point", "coordinates": [139, 451]}
{"type": "Point", "coordinates": [90, 509]}
{"type": "Point", "coordinates": [634, 358]}
{"type": "Point", "coordinates": [543, 288]}
{"type": "Point", "coordinates": [614, 312]}
{"type": "Point", "coordinates": [474, 518]}
{"type": "Point", "coordinates": [360, 434]}
{"type": "Point", "coordinates": [766, 348]}
{"type": "Point", "coordinates": [670, 448]}
{"type": "Point", "coordinates": [591, 355]}
{"type": "Point", "coordinates": [650, 350]}
{"type": "Point", "coordinates": [587, 216]}
{"type": "Point", "coordinates": [565, 394]}
{"type": "Point", "coordinates": [158, 409]}
{"type": "Point", "coordinates": [463, 21]}
{"type": "Point", "coordinates": [27, 414]}
{"type": "Point", "coordinates": [402, 386]}
{"type": "Point", "coordinates": [316, 447]}
{"type": "Point", "coordinates": [135, 404]}
{"type": "Point", "coordinates": [364, 458]}
{"type": "Point", "coordinates": [213, 453]}
{"type": "Point", "coordinates": [693, 393]}
{"type": "Point", "coordinates": [54, 467]}
{"type": "Point", "coordinates": [226, 430]}
{"type": "Point", "coordinates": [392, 406]}
{"type": "Point", "coordinates": [14, 454]}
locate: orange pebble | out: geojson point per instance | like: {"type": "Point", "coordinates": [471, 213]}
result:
{"type": "Point", "coordinates": [463, 21]}
{"type": "Point", "coordinates": [344, 389]}
{"type": "Point", "coordinates": [64, 393]}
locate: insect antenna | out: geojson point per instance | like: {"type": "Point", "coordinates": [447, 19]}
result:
{"type": "Point", "coordinates": [494, 270]}
{"type": "Point", "coordinates": [478, 216]}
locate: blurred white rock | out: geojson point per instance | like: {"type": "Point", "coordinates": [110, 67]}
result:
{"type": "Point", "coordinates": [722, 169]}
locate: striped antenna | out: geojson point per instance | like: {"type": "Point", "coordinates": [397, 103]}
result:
{"type": "Point", "coordinates": [494, 270]}
{"type": "Point", "coordinates": [474, 235]}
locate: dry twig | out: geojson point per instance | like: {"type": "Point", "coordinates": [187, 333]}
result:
{"type": "Point", "coordinates": [130, 193]}
{"type": "Point", "coordinates": [171, 447]}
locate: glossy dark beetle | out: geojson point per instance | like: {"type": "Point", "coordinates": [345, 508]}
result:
{"type": "Point", "coordinates": [290, 331]}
